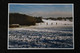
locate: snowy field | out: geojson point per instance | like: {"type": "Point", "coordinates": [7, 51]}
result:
{"type": "Point", "coordinates": [43, 35]}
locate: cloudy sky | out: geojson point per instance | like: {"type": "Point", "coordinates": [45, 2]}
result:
{"type": "Point", "coordinates": [44, 10]}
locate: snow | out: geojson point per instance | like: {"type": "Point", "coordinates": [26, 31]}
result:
{"type": "Point", "coordinates": [57, 21]}
{"type": "Point", "coordinates": [53, 23]}
{"type": "Point", "coordinates": [42, 35]}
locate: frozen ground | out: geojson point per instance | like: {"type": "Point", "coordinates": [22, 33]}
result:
{"type": "Point", "coordinates": [42, 35]}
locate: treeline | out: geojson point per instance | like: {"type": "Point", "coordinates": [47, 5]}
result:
{"type": "Point", "coordinates": [22, 19]}
{"type": "Point", "coordinates": [60, 18]}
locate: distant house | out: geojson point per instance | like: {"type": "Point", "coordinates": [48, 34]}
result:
{"type": "Point", "coordinates": [14, 25]}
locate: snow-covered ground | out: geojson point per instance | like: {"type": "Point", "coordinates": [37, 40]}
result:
{"type": "Point", "coordinates": [42, 35]}
{"type": "Point", "coordinates": [57, 21]}
{"type": "Point", "coordinates": [53, 23]}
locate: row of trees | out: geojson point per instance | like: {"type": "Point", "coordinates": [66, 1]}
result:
{"type": "Point", "coordinates": [22, 19]}
{"type": "Point", "coordinates": [60, 18]}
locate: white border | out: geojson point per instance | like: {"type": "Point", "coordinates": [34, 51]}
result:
{"type": "Point", "coordinates": [40, 4]}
